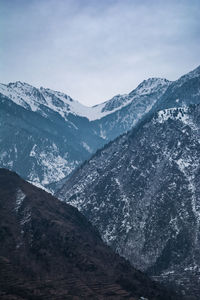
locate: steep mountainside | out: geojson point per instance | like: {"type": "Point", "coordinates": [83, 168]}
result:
{"type": "Point", "coordinates": [45, 134]}
{"type": "Point", "coordinates": [142, 193]}
{"type": "Point", "coordinates": [50, 251]}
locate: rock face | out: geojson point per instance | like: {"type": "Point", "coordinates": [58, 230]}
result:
{"type": "Point", "coordinates": [50, 251]}
{"type": "Point", "coordinates": [45, 134]}
{"type": "Point", "coordinates": [142, 193]}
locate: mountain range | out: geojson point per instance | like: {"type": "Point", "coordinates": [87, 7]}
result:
{"type": "Point", "coordinates": [45, 134]}
{"type": "Point", "coordinates": [130, 165]}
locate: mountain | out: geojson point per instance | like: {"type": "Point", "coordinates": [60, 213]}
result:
{"type": "Point", "coordinates": [141, 192]}
{"type": "Point", "coordinates": [50, 251]}
{"type": "Point", "coordinates": [45, 134]}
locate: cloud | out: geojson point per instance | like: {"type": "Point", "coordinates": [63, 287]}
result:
{"type": "Point", "coordinates": [93, 50]}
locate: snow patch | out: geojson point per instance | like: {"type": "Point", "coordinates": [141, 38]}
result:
{"type": "Point", "coordinates": [33, 153]}
{"type": "Point", "coordinates": [37, 184]}
{"type": "Point", "coordinates": [174, 114]}
{"type": "Point", "coordinates": [87, 147]}
{"type": "Point", "coordinates": [182, 164]}
{"type": "Point", "coordinates": [26, 217]}
{"type": "Point", "coordinates": [102, 133]}
{"type": "Point", "coordinates": [20, 196]}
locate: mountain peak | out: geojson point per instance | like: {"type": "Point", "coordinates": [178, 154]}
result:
{"type": "Point", "coordinates": [153, 82]}
{"type": "Point", "coordinates": [18, 84]}
{"type": "Point", "coordinates": [150, 85]}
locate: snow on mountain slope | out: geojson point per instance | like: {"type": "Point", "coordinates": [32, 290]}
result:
{"type": "Point", "coordinates": [32, 98]}
{"type": "Point", "coordinates": [23, 94]}
{"type": "Point", "coordinates": [146, 88]}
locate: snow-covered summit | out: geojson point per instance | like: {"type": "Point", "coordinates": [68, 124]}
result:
{"type": "Point", "coordinates": [35, 99]}
{"type": "Point", "coordinates": [23, 94]}
{"type": "Point", "coordinates": [150, 85]}
{"type": "Point", "coordinates": [147, 87]}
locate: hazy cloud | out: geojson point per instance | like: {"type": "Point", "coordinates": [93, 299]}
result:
{"type": "Point", "coordinates": [93, 50]}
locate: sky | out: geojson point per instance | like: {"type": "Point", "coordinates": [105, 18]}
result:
{"type": "Point", "coordinates": [93, 50]}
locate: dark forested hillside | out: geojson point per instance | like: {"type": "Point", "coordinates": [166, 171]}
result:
{"type": "Point", "coordinates": [50, 251]}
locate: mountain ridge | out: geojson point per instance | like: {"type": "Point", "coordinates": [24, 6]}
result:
{"type": "Point", "coordinates": [18, 89]}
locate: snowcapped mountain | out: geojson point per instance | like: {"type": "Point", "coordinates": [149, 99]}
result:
{"type": "Point", "coordinates": [35, 99]}
{"type": "Point", "coordinates": [142, 193]}
{"type": "Point", "coordinates": [46, 134]}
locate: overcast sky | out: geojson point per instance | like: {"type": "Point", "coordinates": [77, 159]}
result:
{"type": "Point", "coordinates": [93, 50]}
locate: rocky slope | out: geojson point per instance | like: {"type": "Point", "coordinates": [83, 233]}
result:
{"type": "Point", "coordinates": [50, 251]}
{"type": "Point", "coordinates": [142, 193]}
